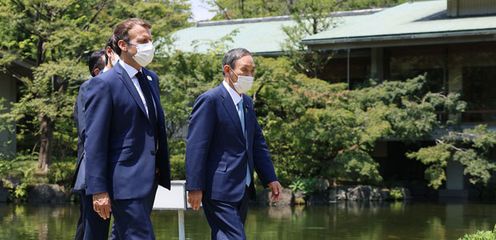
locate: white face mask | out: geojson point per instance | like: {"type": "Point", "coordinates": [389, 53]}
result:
{"type": "Point", "coordinates": [243, 84]}
{"type": "Point", "coordinates": [145, 53]}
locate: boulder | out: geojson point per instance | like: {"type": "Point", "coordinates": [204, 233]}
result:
{"type": "Point", "coordinates": [385, 194]}
{"type": "Point", "coordinates": [375, 195]}
{"type": "Point", "coordinates": [299, 198]}
{"type": "Point", "coordinates": [333, 195]}
{"type": "Point", "coordinates": [47, 193]}
{"type": "Point", "coordinates": [340, 194]}
{"type": "Point", "coordinates": [359, 193]}
{"type": "Point", "coordinates": [285, 199]}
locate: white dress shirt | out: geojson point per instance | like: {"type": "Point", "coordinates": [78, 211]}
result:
{"type": "Point", "coordinates": [234, 95]}
{"type": "Point", "coordinates": [131, 71]}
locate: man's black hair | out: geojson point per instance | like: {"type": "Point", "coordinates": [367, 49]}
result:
{"type": "Point", "coordinates": [96, 61]}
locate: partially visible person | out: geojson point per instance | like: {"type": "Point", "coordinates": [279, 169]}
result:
{"type": "Point", "coordinates": [98, 227]}
{"type": "Point", "coordinates": [97, 62]}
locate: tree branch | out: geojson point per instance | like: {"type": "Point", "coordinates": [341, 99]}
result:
{"type": "Point", "coordinates": [98, 11]}
{"type": "Point", "coordinates": [222, 10]}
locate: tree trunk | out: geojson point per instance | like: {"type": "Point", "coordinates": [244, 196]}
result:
{"type": "Point", "coordinates": [242, 8]}
{"type": "Point", "coordinates": [46, 137]}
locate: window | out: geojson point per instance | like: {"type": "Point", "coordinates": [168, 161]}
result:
{"type": "Point", "coordinates": [479, 90]}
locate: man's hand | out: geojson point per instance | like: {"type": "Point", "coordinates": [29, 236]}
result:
{"type": "Point", "coordinates": [195, 198]}
{"type": "Point", "coordinates": [101, 205]}
{"type": "Point", "coordinates": [276, 189]}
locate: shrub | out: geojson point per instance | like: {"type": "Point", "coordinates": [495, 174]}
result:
{"type": "Point", "coordinates": [16, 175]}
{"type": "Point", "coordinates": [178, 167]}
{"type": "Point", "coordinates": [396, 194]}
{"type": "Point", "coordinates": [61, 173]}
{"type": "Point", "coordinates": [309, 185]}
{"type": "Point", "coordinates": [480, 235]}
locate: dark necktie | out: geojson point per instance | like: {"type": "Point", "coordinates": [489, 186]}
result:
{"type": "Point", "coordinates": [145, 88]}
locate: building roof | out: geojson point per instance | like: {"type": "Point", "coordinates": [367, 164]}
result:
{"type": "Point", "coordinates": [406, 24]}
{"type": "Point", "coordinates": [262, 36]}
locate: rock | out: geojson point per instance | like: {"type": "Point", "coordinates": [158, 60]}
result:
{"type": "Point", "coordinates": [375, 195]}
{"type": "Point", "coordinates": [340, 195]}
{"type": "Point", "coordinates": [385, 194]}
{"type": "Point", "coordinates": [285, 198]}
{"type": "Point", "coordinates": [322, 185]}
{"type": "Point", "coordinates": [4, 193]}
{"type": "Point", "coordinates": [333, 195]}
{"type": "Point", "coordinates": [299, 198]}
{"type": "Point", "coordinates": [406, 193]}
{"type": "Point", "coordinates": [359, 193]}
{"type": "Point", "coordinates": [47, 193]}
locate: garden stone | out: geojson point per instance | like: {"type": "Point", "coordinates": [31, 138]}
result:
{"type": "Point", "coordinates": [47, 193]}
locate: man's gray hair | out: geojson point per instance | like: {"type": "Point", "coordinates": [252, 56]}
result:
{"type": "Point", "coordinates": [232, 56]}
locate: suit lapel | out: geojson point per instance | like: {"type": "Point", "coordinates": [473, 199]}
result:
{"type": "Point", "coordinates": [249, 117]}
{"type": "Point", "coordinates": [155, 95]}
{"type": "Point", "coordinates": [231, 110]}
{"type": "Point", "coordinates": [130, 87]}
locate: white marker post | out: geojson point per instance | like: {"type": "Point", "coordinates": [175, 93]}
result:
{"type": "Point", "coordinates": [175, 199]}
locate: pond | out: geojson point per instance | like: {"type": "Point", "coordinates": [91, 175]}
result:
{"type": "Point", "coordinates": [344, 221]}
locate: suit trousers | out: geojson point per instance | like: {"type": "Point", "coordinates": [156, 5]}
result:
{"type": "Point", "coordinates": [132, 218]}
{"type": "Point", "coordinates": [90, 225]}
{"type": "Point", "coordinates": [227, 219]}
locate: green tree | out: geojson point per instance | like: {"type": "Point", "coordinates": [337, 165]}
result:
{"type": "Point", "coordinates": [54, 37]}
{"type": "Point", "coordinates": [366, 4]}
{"type": "Point", "coordinates": [471, 148]}
{"type": "Point", "coordinates": [234, 9]}
{"type": "Point", "coordinates": [310, 17]}
{"type": "Point", "coordinates": [319, 129]}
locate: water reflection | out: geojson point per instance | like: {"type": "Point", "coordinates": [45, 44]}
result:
{"type": "Point", "coordinates": [353, 220]}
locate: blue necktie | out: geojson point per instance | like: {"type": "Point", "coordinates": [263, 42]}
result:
{"type": "Point", "coordinates": [241, 115]}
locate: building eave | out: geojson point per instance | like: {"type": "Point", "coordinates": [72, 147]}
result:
{"type": "Point", "coordinates": [428, 38]}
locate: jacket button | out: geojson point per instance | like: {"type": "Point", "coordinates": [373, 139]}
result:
{"type": "Point", "coordinates": [152, 152]}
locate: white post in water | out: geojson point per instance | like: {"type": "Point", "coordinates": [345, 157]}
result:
{"type": "Point", "coordinates": [175, 199]}
{"type": "Point", "coordinates": [180, 220]}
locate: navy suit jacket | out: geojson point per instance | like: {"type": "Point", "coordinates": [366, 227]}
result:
{"type": "Point", "coordinates": [80, 125]}
{"type": "Point", "coordinates": [217, 152]}
{"type": "Point", "coordinates": [120, 149]}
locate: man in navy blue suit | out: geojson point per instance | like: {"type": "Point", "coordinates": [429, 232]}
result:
{"type": "Point", "coordinates": [125, 140]}
{"type": "Point", "coordinates": [90, 225]}
{"type": "Point", "coordinates": [224, 146]}
{"type": "Point", "coordinates": [99, 228]}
